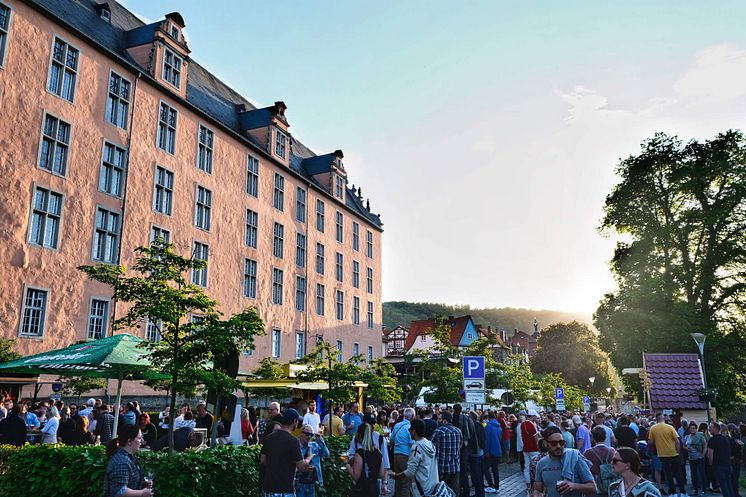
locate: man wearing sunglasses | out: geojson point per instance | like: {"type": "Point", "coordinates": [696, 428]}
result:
{"type": "Point", "coordinates": [311, 446]}
{"type": "Point", "coordinates": [565, 472]}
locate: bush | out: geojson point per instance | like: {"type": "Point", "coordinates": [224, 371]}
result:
{"type": "Point", "coordinates": [80, 471]}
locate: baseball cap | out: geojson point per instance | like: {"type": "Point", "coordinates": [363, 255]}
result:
{"type": "Point", "coordinates": [576, 420]}
{"type": "Point", "coordinates": [532, 412]}
{"type": "Point", "coordinates": [289, 415]}
{"type": "Point", "coordinates": [522, 412]}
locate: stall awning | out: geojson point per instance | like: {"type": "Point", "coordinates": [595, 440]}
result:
{"type": "Point", "coordinates": [292, 383]}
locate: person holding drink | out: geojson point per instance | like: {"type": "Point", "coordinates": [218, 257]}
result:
{"type": "Point", "coordinates": [123, 474]}
{"type": "Point", "coordinates": [312, 448]}
{"type": "Point", "coordinates": [563, 472]}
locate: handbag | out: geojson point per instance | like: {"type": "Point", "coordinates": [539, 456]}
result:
{"type": "Point", "coordinates": [440, 490]}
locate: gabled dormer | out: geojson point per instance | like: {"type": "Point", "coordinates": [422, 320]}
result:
{"type": "Point", "coordinates": [328, 170]}
{"type": "Point", "coordinates": [268, 127]}
{"type": "Point", "coordinates": [161, 50]}
{"type": "Point", "coordinates": [103, 10]}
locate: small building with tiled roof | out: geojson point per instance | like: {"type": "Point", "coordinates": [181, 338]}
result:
{"type": "Point", "coordinates": [463, 333]}
{"type": "Point", "coordinates": [674, 381]}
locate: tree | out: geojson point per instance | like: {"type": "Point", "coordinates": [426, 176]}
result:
{"type": "Point", "coordinates": [520, 379]}
{"type": "Point", "coordinates": [6, 350]}
{"type": "Point", "coordinates": [268, 369]}
{"type": "Point", "coordinates": [78, 385]}
{"type": "Point", "coordinates": [380, 376]}
{"type": "Point", "coordinates": [324, 366]}
{"type": "Point", "coordinates": [682, 266]}
{"type": "Point", "coordinates": [190, 350]}
{"type": "Point", "coordinates": [572, 350]}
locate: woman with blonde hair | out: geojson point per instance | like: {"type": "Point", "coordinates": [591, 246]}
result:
{"type": "Point", "coordinates": [247, 428]}
{"type": "Point", "coordinates": [49, 432]}
{"type": "Point", "coordinates": [366, 466]}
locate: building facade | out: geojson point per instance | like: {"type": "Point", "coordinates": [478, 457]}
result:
{"type": "Point", "coordinates": [111, 136]}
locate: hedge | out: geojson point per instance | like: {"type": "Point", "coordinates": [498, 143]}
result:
{"type": "Point", "coordinates": [79, 471]}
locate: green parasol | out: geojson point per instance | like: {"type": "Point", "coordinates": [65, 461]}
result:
{"type": "Point", "coordinates": [117, 357]}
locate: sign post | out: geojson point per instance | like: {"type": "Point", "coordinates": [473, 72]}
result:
{"type": "Point", "coordinates": [586, 403]}
{"type": "Point", "coordinates": [474, 384]}
{"type": "Point", "coordinates": [559, 399]}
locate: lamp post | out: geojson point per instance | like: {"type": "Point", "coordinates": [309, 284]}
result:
{"type": "Point", "coordinates": [699, 339]}
{"type": "Point", "coordinates": [592, 379]}
{"type": "Point", "coordinates": [608, 393]}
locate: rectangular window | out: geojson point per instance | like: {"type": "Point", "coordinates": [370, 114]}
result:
{"type": "Point", "coordinates": [278, 197]}
{"type": "Point", "coordinates": [356, 274]}
{"type": "Point", "coordinates": [355, 349]}
{"type": "Point", "coordinates": [369, 243]}
{"type": "Point", "coordinates": [204, 149]}
{"type": "Point", "coordinates": [163, 198]}
{"type": "Point", "coordinates": [167, 128]}
{"type": "Point", "coordinates": [252, 176]}
{"type": "Point", "coordinates": [339, 222]}
{"type": "Point", "coordinates": [300, 293]}
{"type": "Point", "coordinates": [46, 215]}
{"type": "Point", "coordinates": [106, 236]}
{"type": "Point", "coordinates": [356, 310]}
{"type": "Point", "coordinates": [249, 279]}
{"type": "Point", "coordinates": [340, 348]}
{"type": "Point", "coordinates": [300, 345]}
{"type": "Point", "coordinates": [153, 329]}
{"type": "Point", "coordinates": [158, 232]}
{"type": "Point", "coordinates": [319, 299]}
{"type": "Point", "coordinates": [64, 70]}
{"type": "Point", "coordinates": [4, 27]}
{"type": "Point", "coordinates": [97, 317]}
{"type": "Point", "coordinates": [201, 252]}
{"type": "Point", "coordinates": [280, 143]}
{"type": "Point", "coordinates": [300, 205]}
{"type": "Point", "coordinates": [370, 314]}
{"type": "Point", "coordinates": [118, 103]}
{"type": "Point", "coordinates": [276, 337]}
{"type": "Point", "coordinates": [338, 268]}
{"type": "Point", "coordinates": [319, 258]}
{"type": "Point", "coordinates": [112, 170]}
{"type": "Point", "coordinates": [278, 240]}
{"type": "Point", "coordinates": [339, 189]}
{"type": "Point", "coordinates": [370, 280]}
{"type": "Point", "coordinates": [277, 286]}
{"type": "Point", "coordinates": [370, 353]}
{"type": "Point", "coordinates": [203, 208]}
{"type": "Point", "coordinates": [339, 300]}
{"type": "Point", "coordinates": [320, 215]}
{"type": "Point", "coordinates": [55, 145]}
{"type": "Point", "coordinates": [300, 250]}
{"type": "Point", "coordinates": [172, 68]}
{"type": "Point", "coordinates": [355, 236]}
{"type": "Point", "coordinates": [252, 228]}
{"type": "Point", "coordinates": [34, 312]}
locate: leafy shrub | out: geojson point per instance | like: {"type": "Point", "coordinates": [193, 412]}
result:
{"type": "Point", "coordinates": [80, 471]}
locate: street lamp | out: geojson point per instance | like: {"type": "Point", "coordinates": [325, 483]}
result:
{"type": "Point", "coordinates": [592, 379]}
{"type": "Point", "coordinates": [699, 339]}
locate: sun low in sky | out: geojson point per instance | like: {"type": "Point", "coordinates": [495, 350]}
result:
{"type": "Point", "coordinates": [485, 133]}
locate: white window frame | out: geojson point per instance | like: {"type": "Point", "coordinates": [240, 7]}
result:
{"type": "Point", "coordinates": [46, 215]}
{"type": "Point", "coordinates": [300, 344]}
{"type": "Point", "coordinates": [159, 232]}
{"type": "Point", "coordinates": [171, 72]}
{"type": "Point", "coordinates": [339, 305]}
{"type": "Point", "coordinates": [205, 148]}
{"type": "Point", "coordinates": [56, 144]}
{"type": "Point", "coordinates": [153, 328]}
{"type": "Point", "coordinates": [120, 117]}
{"type": "Point", "coordinates": [5, 34]}
{"type": "Point", "coordinates": [166, 204]}
{"type": "Point", "coordinates": [340, 349]}
{"type": "Point", "coordinates": [43, 314]}
{"type": "Point", "coordinates": [104, 318]}
{"type": "Point", "coordinates": [355, 349]}
{"type": "Point", "coordinates": [370, 353]}
{"type": "Point", "coordinates": [281, 141]}
{"type": "Point", "coordinates": [64, 69]}
{"type": "Point", "coordinates": [276, 343]}
{"type": "Point", "coordinates": [107, 233]}
{"type": "Point", "coordinates": [339, 186]}
{"type": "Point", "coordinates": [111, 167]}
{"type": "Point", "coordinates": [170, 129]}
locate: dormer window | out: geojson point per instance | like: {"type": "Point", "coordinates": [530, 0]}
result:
{"type": "Point", "coordinates": [339, 187]}
{"type": "Point", "coordinates": [105, 14]}
{"type": "Point", "coordinates": [172, 68]}
{"type": "Point", "coordinates": [280, 143]}
{"type": "Point", "coordinates": [175, 32]}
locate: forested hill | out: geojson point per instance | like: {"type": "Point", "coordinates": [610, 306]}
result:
{"type": "Point", "coordinates": [402, 313]}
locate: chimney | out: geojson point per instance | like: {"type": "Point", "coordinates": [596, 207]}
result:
{"type": "Point", "coordinates": [338, 154]}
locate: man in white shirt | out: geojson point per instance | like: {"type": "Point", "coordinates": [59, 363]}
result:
{"type": "Point", "coordinates": [312, 418]}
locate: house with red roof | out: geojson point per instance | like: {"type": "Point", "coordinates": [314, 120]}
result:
{"type": "Point", "coordinates": [675, 382]}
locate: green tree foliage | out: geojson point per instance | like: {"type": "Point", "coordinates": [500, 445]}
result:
{"type": "Point", "coordinates": [268, 369]}
{"type": "Point", "coordinates": [402, 313]}
{"type": "Point", "coordinates": [6, 350]}
{"type": "Point", "coordinates": [520, 379]}
{"type": "Point", "coordinates": [190, 349]}
{"type": "Point", "coordinates": [572, 350]}
{"type": "Point", "coordinates": [380, 375]}
{"type": "Point", "coordinates": [77, 385]}
{"type": "Point", "coordinates": [681, 209]}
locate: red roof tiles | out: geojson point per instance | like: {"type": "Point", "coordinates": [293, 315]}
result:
{"type": "Point", "coordinates": [674, 380]}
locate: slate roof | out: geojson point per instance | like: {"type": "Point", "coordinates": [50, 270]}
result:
{"type": "Point", "coordinates": [420, 327]}
{"type": "Point", "coordinates": [674, 380]}
{"type": "Point", "coordinates": [204, 93]}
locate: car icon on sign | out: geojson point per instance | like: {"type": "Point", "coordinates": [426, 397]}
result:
{"type": "Point", "coordinates": [474, 385]}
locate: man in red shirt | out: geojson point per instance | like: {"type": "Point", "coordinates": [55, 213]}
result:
{"type": "Point", "coordinates": [530, 436]}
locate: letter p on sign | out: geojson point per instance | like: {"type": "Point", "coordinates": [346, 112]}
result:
{"type": "Point", "coordinates": [474, 368]}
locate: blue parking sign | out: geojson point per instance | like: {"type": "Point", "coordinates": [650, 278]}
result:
{"type": "Point", "coordinates": [559, 393]}
{"type": "Point", "coordinates": [474, 368]}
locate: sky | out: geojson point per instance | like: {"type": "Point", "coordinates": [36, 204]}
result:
{"type": "Point", "coordinates": [485, 133]}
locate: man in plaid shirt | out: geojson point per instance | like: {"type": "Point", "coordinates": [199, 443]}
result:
{"type": "Point", "coordinates": [447, 440]}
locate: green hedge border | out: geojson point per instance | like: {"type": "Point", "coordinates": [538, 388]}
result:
{"type": "Point", "coordinates": [220, 471]}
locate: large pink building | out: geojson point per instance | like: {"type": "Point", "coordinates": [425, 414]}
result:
{"type": "Point", "coordinates": [111, 135]}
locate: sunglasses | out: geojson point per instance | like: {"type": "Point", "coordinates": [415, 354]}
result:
{"type": "Point", "coordinates": [307, 434]}
{"type": "Point", "coordinates": [555, 443]}
{"type": "Point", "coordinates": [616, 460]}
